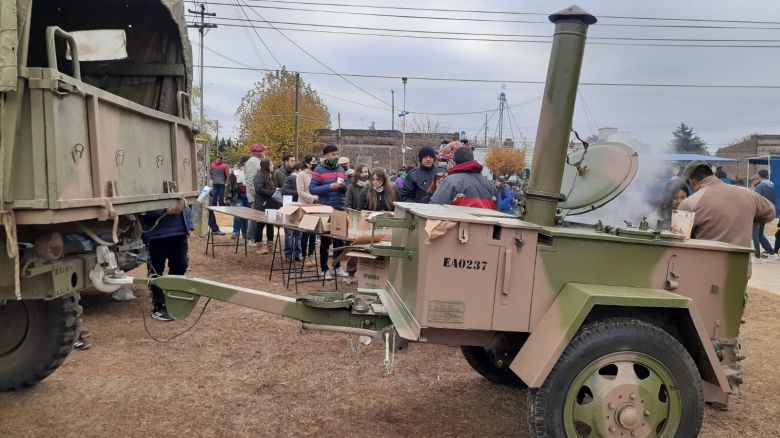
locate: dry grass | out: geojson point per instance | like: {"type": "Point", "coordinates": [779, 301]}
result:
{"type": "Point", "coordinates": [245, 373]}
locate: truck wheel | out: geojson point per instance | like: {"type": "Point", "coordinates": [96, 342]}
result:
{"type": "Point", "coordinates": [619, 377]}
{"type": "Point", "coordinates": [35, 338]}
{"type": "Point", "coordinates": [479, 359]}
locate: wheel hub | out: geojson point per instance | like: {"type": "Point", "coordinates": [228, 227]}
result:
{"type": "Point", "coordinates": [623, 394]}
{"type": "Point", "coordinates": [13, 326]}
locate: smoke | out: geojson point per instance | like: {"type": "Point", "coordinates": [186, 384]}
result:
{"type": "Point", "coordinates": [641, 199]}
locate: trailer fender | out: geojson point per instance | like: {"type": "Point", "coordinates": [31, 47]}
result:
{"type": "Point", "coordinates": [565, 316]}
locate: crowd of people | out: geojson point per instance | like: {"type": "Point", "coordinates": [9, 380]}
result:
{"type": "Point", "coordinates": [450, 175]}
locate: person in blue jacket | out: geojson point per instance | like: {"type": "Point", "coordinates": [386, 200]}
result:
{"type": "Point", "coordinates": [506, 200]}
{"type": "Point", "coordinates": [165, 234]}
{"type": "Point", "coordinates": [329, 182]}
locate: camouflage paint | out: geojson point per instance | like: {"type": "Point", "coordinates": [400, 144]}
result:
{"type": "Point", "coordinates": [182, 294]}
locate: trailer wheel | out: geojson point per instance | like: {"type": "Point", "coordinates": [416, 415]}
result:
{"type": "Point", "coordinates": [619, 377]}
{"type": "Point", "coordinates": [479, 359]}
{"type": "Point", "coordinates": [35, 338]}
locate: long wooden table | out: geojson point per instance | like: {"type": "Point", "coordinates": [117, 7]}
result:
{"type": "Point", "coordinates": [261, 217]}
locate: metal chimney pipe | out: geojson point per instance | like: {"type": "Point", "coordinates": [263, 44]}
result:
{"type": "Point", "coordinates": [560, 93]}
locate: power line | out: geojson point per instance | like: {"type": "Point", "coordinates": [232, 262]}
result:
{"type": "Point", "coordinates": [508, 40]}
{"type": "Point", "coordinates": [496, 20]}
{"type": "Point", "coordinates": [509, 81]}
{"type": "Point", "coordinates": [241, 9]}
{"type": "Point", "coordinates": [477, 11]}
{"type": "Point", "coordinates": [318, 61]}
{"type": "Point", "coordinates": [507, 35]}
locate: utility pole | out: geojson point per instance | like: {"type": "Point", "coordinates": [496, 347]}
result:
{"type": "Point", "coordinates": [486, 128]}
{"type": "Point", "coordinates": [216, 139]}
{"type": "Point", "coordinates": [403, 135]}
{"type": "Point", "coordinates": [202, 26]}
{"type": "Point", "coordinates": [501, 106]}
{"type": "Point", "coordinates": [339, 115]}
{"type": "Point", "coordinates": [297, 115]}
{"type": "Point", "coordinates": [392, 109]}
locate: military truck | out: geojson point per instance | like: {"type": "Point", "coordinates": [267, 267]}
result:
{"type": "Point", "coordinates": [94, 129]}
{"type": "Point", "coordinates": [614, 330]}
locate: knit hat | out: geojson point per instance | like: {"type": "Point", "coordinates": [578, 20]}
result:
{"type": "Point", "coordinates": [260, 148]}
{"type": "Point", "coordinates": [462, 154]}
{"type": "Point", "coordinates": [426, 151]}
{"type": "Point", "coordinates": [343, 161]}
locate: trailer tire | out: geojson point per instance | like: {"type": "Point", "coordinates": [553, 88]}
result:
{"type": "Point", "coordinates": [639, 379]}
{"type": "Point", "coordinates": [479, 359]}
{"type": "Point", "coordinates": [35, 338]}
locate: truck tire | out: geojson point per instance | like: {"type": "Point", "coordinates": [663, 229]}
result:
{"type": "Point", "coordinates": [479, 359]}
{"type": "Point", "coordinates": [616, 378]}
{"type": "Point", "coordinates": [35, 338]}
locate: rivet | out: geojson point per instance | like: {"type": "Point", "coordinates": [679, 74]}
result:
{"type": "Point", "coordinates": [611, 428]}
{"type": "Point", "coordinates": [633, 433]}
{"type": "Point", "coordinates": [647, 413]}
{"type": "Point", "coordinates": [632, 396]}
{"type": "Point", "coordinates": [611, 406]}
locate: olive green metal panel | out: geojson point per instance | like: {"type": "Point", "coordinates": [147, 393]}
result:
{"type": "Point", "coordinates": [562, 320]}
{"type": "Point", "coordinates": [48, 281]}
{"type": "Point", "coordinates": [9, 44]}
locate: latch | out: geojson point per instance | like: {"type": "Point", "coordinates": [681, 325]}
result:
{"type": "Point", "coordinates": [672, 281]}
{"type": "Point", "coordinates": [56, 86]}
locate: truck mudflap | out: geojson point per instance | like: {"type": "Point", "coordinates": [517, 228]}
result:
{"type": "Point", "coordinates": [565, 316]}
{"type": "Point", "coordinates": [354, 313]}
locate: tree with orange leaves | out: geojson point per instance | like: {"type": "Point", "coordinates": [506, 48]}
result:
{"type": "Point", "coordinates": [267, 115]}
{"type": "Point", "coordinates": [505, 161]}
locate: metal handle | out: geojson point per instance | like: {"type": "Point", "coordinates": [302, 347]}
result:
{"type": "Point", "coordinates": [51, 51]}
{"type": "Point", "coordinates": [392, 222]}
{"type": "Point", "coordinates": [180, 98]}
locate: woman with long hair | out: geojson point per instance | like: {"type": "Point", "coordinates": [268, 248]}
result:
{"type": "Point", "coordinates": [676, 191]}
{"type": "Point", "coordinates": [264, 191]}
{"type": "Point", "coordinates": [359, 183]}
{"type": "Point", "coordinates": [380, 195]}
{"type": "Point", "coordinates": [439, 174]}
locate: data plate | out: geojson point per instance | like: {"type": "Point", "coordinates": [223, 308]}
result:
{"type": "Point", "coordinates": [446, 311]}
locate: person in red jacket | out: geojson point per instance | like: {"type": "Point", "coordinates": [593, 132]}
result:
{"type": "Point", "coordinates": [465, 184]}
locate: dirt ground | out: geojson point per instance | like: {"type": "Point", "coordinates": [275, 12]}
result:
{"type": "Point", "coordinates": [241, 372]}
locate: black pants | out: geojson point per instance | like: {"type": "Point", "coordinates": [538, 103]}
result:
{"type": "Point", "coordinates": [216, 197]}
{"type": "Point", "coordinates": [172, 249]}
{"type": "Point", "coordinates": [308, 241]}
{"type": "Point", "coordinates": [324, 247]}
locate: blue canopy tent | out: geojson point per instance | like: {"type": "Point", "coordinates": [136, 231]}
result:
{"type": "Point", "coordinates": [772, 164]}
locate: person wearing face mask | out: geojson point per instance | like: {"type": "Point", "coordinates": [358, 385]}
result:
{"type": "Point", "coordinates": [415, 188]}
{"type": "Point", "coordinates": [359, 183]}
{"type": "Point", "coordinates": [380, 195]}
{"type": "Point", "coordinates": [329, 183]}
{"type": "Point", "coordinates": [303, 181]}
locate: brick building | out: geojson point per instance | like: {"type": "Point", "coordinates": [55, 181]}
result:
{"type": "Point", "coordinates": [753, 146]}
{"type": "Point", "coordinates": [379, 148]}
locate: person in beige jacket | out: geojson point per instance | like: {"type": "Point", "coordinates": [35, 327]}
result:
{"type": "Point", "coordinates": [724, 212]}
{"type": "Point", "coordinates": [303, 181]}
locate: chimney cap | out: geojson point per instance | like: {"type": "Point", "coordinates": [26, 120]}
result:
{"type": "Point", "coordinates": [573, 13]}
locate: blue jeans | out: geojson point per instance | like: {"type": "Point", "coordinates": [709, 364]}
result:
{"type": "Point", "coordinates": [760, 241]}
{"type": "Point", "coordinates": [289, 237]}
{"type": "Point", "coordinates": [240, 225]}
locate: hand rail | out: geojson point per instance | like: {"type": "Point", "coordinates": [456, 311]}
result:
{"type": "Point", "coordinates": [180, 97]}
{"type": "Point", "coordinates": [51, 52]}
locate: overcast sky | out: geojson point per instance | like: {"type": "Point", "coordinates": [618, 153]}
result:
{"type": "Point", "coordinates": [650, 114]}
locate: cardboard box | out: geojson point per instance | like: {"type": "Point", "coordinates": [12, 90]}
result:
{"type": "Point", "coordinates": [358, 227]}
{"type": "Point", "coordinates": [339, 224]}
{"type": "Point", "coordinates": [293, 213]}
{"type": "Point", "coordinates": [315, 223]}
{"type": "Point", "coordinates": [372, 270]}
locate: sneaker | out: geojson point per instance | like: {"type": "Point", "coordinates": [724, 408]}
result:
{"type": "Point", "coordinates": [299, 258]}
{"type": "Point", "coordinates": [81, 344]}
{"type": "Point", "coordinates": [263, 249]}
{"type": "Point", "coordinates": [310, 262]}
{"type": "Point", "coordinates": [287, 259]}
{"type": "Point", "coordinates": [218, 233]}
{"type": "Point", "coordinates": [327, 276]}
{"type": "Point", "coordinates": [348, 280]}
{"type": "Point", "coordinates": [233, 236]}
{"type": "Point", "coordinates": [340, 273]}
{"type": "Point", "coordinates": [755, 259]}
{"type": "Point", "coordinates": [250, 242]}
{"type": "Point", "coordinates": [84, 333]}
{"type": "Point", "coordinates": [161, 315]}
